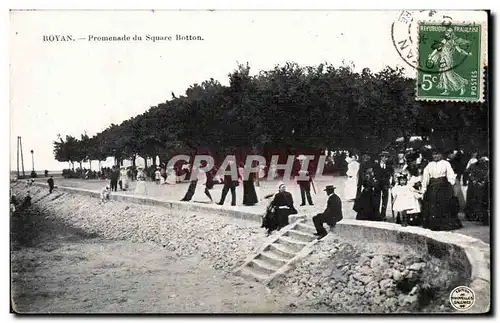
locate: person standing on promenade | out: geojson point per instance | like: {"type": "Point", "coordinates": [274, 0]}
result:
{"type": "Point", "coordinates": [384, 171]}
{"type": "Point", "coordinates": [50, 181]}
{"type": "Point", "coordinates": [305, 185]}
{"type": "Point", "coordinates": [229, 184]}
{"type": "Point", "coordinates": [440, 208]}
{"type": "Point", "coordinates": [114, 179]}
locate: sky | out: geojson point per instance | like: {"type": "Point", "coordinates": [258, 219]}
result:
{"type": "Point", "coordinates": [70, 87]}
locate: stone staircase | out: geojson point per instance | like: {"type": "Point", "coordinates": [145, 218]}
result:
{"type": "Point", "coordinates": [280, 254]}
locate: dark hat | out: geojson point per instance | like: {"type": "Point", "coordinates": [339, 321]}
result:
{"type": "Point", "coordinates": [401, 175]}
{"type": "Point", "coordinates": [329, 188]}
{"type": "Point", "coordinates": [384, 153]}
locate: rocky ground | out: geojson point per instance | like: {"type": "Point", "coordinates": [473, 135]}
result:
{"type": "Point", "coordinates": [72, 254]}
{"type": "Point", "coordinates": [349, 276]}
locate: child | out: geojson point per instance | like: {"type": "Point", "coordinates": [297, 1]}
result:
{"type": "Point", "coordinates": [404, 199]}
{"type": "Point", "coordinates": [105, 194]}
{"type": "Point", "coordinates": [158, 176]}
{"type": "Point", "coordinates": [415, 184]}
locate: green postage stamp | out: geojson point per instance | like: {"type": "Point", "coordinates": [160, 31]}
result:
{"type": "Point", "coordinates": [451, 61]}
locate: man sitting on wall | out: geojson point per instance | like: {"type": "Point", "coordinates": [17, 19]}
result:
{"type": "Point", "coordinates": [331, 215]}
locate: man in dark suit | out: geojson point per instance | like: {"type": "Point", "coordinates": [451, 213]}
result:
{"type": "Point", "coordinates": [50, 181]}
{"type": "Point", "coordinates": [332, 213]}
{"type": "Point", "coordinates": [114, 179]}
{"type": "Point", "coordinates": [384, 173]}
{"type": "Point", "coordinates": [192, 184]}
{"type": "Point", "coordinates": [229, 184]}
{"type": "Point", "coordinates": [305, 185]}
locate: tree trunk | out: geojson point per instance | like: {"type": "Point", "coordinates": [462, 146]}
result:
{"type": "Point", "coordinates": [145, 162]}
{"type": "Point", "coordinates": [90, 164]}
{"type": "Point", "coordinates": [133, 160]}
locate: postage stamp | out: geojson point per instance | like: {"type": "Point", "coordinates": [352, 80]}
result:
{"type": "Point", "coordinates": [452, 61]}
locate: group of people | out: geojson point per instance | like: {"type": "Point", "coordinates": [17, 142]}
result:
{"type": "Point", "coordinates": [205, 181]}
{"type": "Point", "coordinates": [426, 192]}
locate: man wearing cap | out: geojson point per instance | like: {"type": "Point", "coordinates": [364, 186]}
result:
{"type": "Point", "coordinates": [305, 185]}
{"type": "Point", "coordinates": [384, 173]}
{"type": "Point", "coordinates": [332, 213]}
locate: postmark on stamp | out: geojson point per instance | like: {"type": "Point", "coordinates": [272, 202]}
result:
{"type": "Point", "coordinates": [452, 61]}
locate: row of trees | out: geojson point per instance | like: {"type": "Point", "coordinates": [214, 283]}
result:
{"type": "Point", "coordinates": [287, 108]}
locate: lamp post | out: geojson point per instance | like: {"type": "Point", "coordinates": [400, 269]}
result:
{"type": "Point", "coordinates": [33, 159]}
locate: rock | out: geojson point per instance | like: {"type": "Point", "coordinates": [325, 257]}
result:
{"type": "Point", "coordinates": [391, 303]}
{"type": "Point", "coordinates": [417, 266]}
{"type": "Point", "coordinates": [363, 278]}
{"type": "Point", "coordinates": [387, 273]}
{"type": "Point", "coordinates": [396, 274]}
{"type": "Point", "coordinates": [372, 285]}
{"type": "Point", "coordinates": [386, 284]}
{"type": "Point", "coordinates": [377, 262]}
{"type": "Point", "coordinates": [365, 270]}
{"type": "Point", "coordinates": [326, 273]}
{"type": "Point", "coordinates": [378, 300]}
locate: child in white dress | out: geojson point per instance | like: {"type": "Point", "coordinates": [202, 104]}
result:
{"type": "Point", "coordinates": [404, 199]}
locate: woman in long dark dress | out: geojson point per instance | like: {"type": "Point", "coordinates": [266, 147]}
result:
{"type": "Point", "coordinates": [440, 207]}
{"type": "Point", "coordinates": [477, 205]}
{"type": "Point", "coordinates": [278, 210]}
{"type": "Point", "coordinates": [249, 193]}
{"type": "Point", "coordinates": [367, 204]}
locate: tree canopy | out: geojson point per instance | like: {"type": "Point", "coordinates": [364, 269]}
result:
{"type": "Point", "coordinates": [311, 107]}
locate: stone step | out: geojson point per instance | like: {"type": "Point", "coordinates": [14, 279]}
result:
{"type": "Point", "coordinates": [272, 258]}
{"type": "Point", "coordinates": [300, 235]}
{"type": "Point", "coordinates": [305, 228]}
{"type": "Point", "coordinates": [280, 251]}
{"type": "Point", "coordinates": [251, 274]}
{"type": "Point", "coordinates": [291, 243]}
{"type": "Point", "coordinates": [262, 267]}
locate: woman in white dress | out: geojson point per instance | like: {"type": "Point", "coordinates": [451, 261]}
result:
{"type": "Point", "coordinates": [350, 187]}
{"type": "Point", "coordinates": [141, 187]}
{"type": "Point", "coordinates": [261, 176]}
{"type": "Point", "coordinates": [440, 208]}
{"type": "Point", "coordinates": [124, 178]}
{"type": "Point", "coordinates": [201, 193]}
{"type": "Point", "coordinates": [171, 176]}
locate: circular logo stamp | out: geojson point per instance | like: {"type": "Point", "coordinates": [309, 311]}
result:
{"type": "Point", "coordinates": [405, 38]}
{"type": "Point", "coordinates": [462, 298]}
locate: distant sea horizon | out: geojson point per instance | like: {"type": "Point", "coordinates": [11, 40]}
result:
{"type": "Point", "coordinates": [27, 172]}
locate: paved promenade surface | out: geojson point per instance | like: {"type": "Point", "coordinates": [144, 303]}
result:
{"type": "Point", "coordinates": [176, 192]}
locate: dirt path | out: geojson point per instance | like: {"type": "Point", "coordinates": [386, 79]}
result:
{"type": "Point", "coordinates": [59, 269]}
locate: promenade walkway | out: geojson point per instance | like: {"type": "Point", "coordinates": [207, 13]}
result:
{"type": "Point", "coordinates": [175, 192]}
